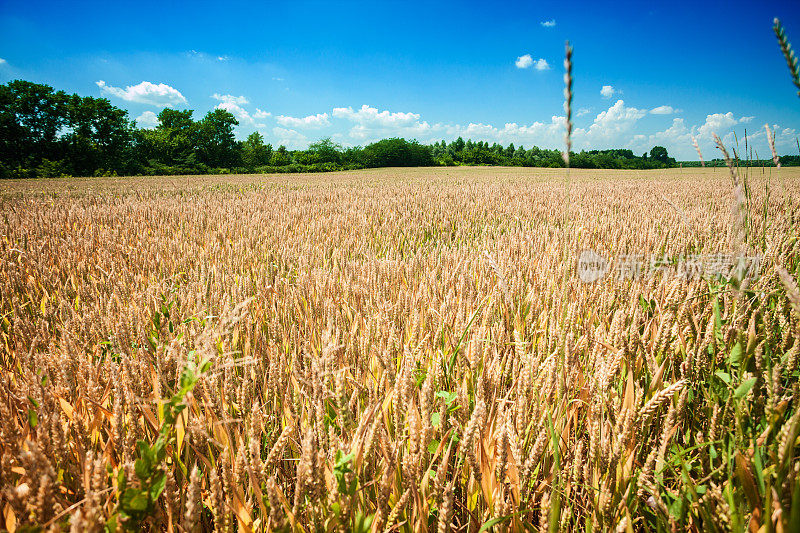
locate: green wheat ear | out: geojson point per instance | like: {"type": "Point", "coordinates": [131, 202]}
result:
{"type": "Point", "coordinates": [788, 53]}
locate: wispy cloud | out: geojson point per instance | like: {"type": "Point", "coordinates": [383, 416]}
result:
{"type": "Point", "coordinates": [319, 120]}
{"type": "Point", "coordinates": [548, 23]}
{"type": "Point", "coordinates": [229, 98]}
{"type": "Point", "coordinates": [160, 95]}
{"type": "Point", "coordinates": [261, 114]}
{"type": "Point", "coordinates": [211, 57]}
{"type": "Point", "coordinates": [290, 138]}
{"type": "Point", "coordinates": [663, 110]}
{"type": "Point", "coordinates": [2, 61]}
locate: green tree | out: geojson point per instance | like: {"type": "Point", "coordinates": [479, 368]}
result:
{"type": "Point", "coordinates": [254, 152]}
{"type": "Point", "coordinates": [280, 157]}
{"type": "Point", "coordinates": [98, 136]}
{"type": "Point", "coordinates": [176, 122]}
{"type": "Point", "coordinates": [325, 151]}
{"type": "Point", "coordinates": [396, 153]}
{"type": "Point", "coordinates": [173, 143]}
{"type": "Point", "coordinates": [31, 116]}
{"type": "Point", "coordinates": [659, 153]}
{"type": "Point", "coordinates": [216, 143]}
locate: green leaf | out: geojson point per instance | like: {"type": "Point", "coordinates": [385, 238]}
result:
{"type": "Point", "coordinates": [744, 388]}
{"type": "Point", "coordinates": [122, 480]}
{"type": "Point", "coordinates": [759, 469]}
{"type": "Point", "coordinates": [724, 376]}
{"type": "Point", "coordinates": [159, 450]}
{"type": "Point", "coordinates": [144, 452]}
{"type": "Point", "coordinates": [735, 357]}
{"type": "Point", "coordinates": [158, 483]}
{"type": "Point", "coordinates": [717, 320]}
{"type": "Point", "coordinates": [434, 444]}
{"type": "Point", "coordinates": [139, 501]}
{"type": "Point", "coordinates": [435, 420]}
{"type": "Point", "coordinates": [111, 524]}
{"type": "Point", "coordinates": [676, 508]}
{"type": "Point", "coordinates": [794, 514]}
{"type": "Point", "coordinates": [363, 523]}
{"type": "Point", "coordinates": [493, 522]}
{"type": "Point", "coordinates": [343, 461]}
{"type": "Point", "coordinates": [447, 396]}
{"type": "Point", "coordinates": [142, 469]}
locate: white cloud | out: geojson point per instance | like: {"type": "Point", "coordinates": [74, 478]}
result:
{"type": "Point", "coordinates": [618, 126]}
{"type": "Point", "coordinates": [678, 138]}
{"type": "Point", "coordinates": [320, 120]}
{"type": "Point", "coordinates": [370, 115]}
{"type": "Point", "coordinates": [161, 95]}
{"type": "Point", "coordinates": [548, 23]}
{"type": "Point", "coordinates": [542, 134]}
{"type": "Point", "coordinates": [610, 128]}
{"type": "Point", "coordinates": [527, 61]}
{"type": "Point", "coordinates": [371, 124]}
{"type": "Point", "coordinates": [223, 58]}
{"type": "Point", "coordinates": [291, 139]}
{"type": "Point", "coordinates": [716, 123]}
{"type": "Point", "coordinates": [229, 98]}
{"type": "Point", "coordinates": [147, 120]}
{"type": "Point", "coordinates": [674, 138]}
{"type": "Point", "coordinates": [746, 119]}
{"type": "Point", "coordinates": [607, 91]}
{"type": "Point", "coordinates": [261, 114]}
{"type": "Point", "coordinates": [277, 79]}
{"type": "Point", "coordinates": [663, 110]}
{"type": "Point", "coordinates": [524, 61]}
{"type": "Point", "coordinates": [233, 104]}
{"type": "Point", "coordinates": [2, 61]}
{"type": "Point", "coordinates": [583, 111]}
{"type": "Point", "coordinates": [244, 117]}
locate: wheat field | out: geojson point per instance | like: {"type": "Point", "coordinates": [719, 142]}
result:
{"type": "Point", "coordinates": [399, 350]}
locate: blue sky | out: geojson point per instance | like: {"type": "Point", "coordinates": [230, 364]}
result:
{"type": "Point", "coordinates": [646, 73]}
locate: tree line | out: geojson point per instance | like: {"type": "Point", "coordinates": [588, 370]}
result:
{"type": "Point", "coordinates": [46, 133]}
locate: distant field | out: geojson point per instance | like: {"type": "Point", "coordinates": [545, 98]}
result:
{"type": "Point", "coordinates": [413, 175]}
{"type": "Point", "coordinates": [407, 347]}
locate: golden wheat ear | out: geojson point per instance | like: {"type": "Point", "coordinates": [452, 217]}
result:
{"type": "Point", "coordinates": [788, 53]}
